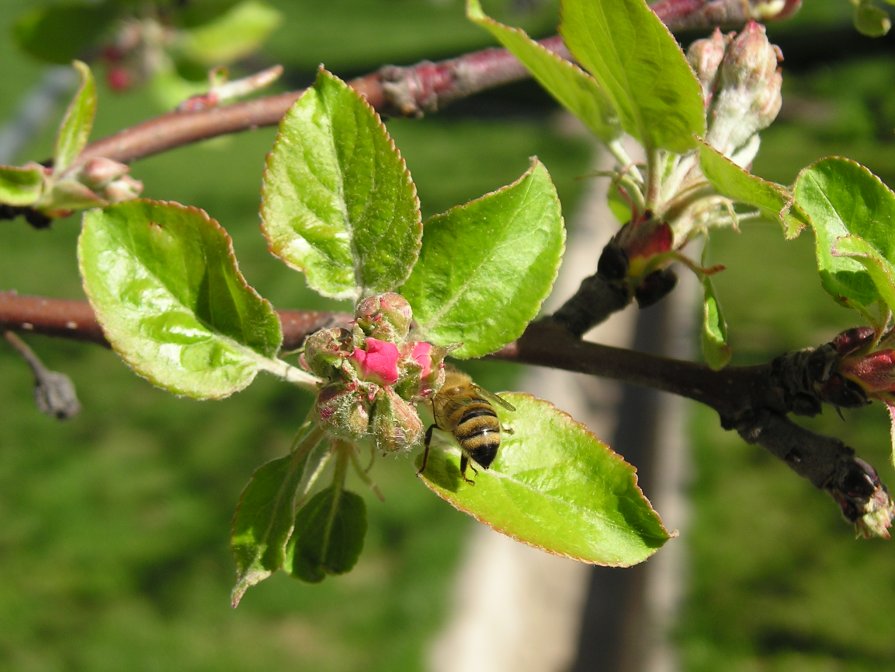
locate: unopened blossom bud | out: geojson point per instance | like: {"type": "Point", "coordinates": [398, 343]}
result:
{"type": "Point", "coordinates": [422, 370]}
{"type": "Point", "coordinates": [100, 171]}
{"type": "Point", "coordinates": [324, 351]}
{"type": "Point", "coordinates": [344, 410]}
{"type": "Point", "coordinates": [124, 188]}
{"type": "Point", "coordinates": [641, 240]}
{"type": "Point", "coordinates": [873, 372]}
{"type": "Point", "coordinates": [747, 97]}
{"type": "Point", "coordinates": [705, 58]}
{"type": "Point", "coordinates": [385, 316]}
{"type": "Point", "coordinates": [396, 425]}
{"type": "Point", "coordinates": [377, 361]}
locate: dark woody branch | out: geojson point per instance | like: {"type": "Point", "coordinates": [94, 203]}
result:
{"type": "Point", "coordinates": [753, 400]}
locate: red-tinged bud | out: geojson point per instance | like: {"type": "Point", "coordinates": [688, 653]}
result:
{"type": "Point", "coordinates": [100, 171]}
{"type": "Point", "coordinates": [377, 362]}
{"type": "Point", "coordinates": [386, 316]}
{"type": "Point", "coordinates": [852, 340]}
{"type": "Point", "coordinates": [422, 370]}
{"type": "Point", "coordinates": [705, 58]}
{"type": "Point", "coordinates": [325, 351]}
{"type": "Point", "coordinates": [344, 410]}
{"type": "Point", "coordinates": [875, 372]}
{"type": "Point", "coordinates": [396, 425]}
{"type": "Point", "coordinates": [119, 78]}
{"type": "Point", "coordinates": [641, 240]}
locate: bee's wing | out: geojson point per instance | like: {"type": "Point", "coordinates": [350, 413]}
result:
{"type": "Point", "coordinates": [496, 398]}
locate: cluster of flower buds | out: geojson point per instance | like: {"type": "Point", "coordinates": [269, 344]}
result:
{"type": "Point", "coordinates": [374, 374]}
{"type": "Point", "coordinates": [741, 84]}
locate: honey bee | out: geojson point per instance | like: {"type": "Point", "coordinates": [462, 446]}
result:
{"type": "Point", "coordinates": [465, 410]}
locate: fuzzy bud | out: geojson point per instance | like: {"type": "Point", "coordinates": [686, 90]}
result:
{"type": "Point", "coordinates": [124, 188]}
{"type": "Point", "coordinates": [385, 316]}
{"type": "Point", "coordinates": [747, 95]}
{"type": "Point", "coordinates": [705, 58]}
{"type": "Point", "coordinates": [422, 370]}
{"type": "Point", "coordinates": [100, 171]}
{"type": "Point", "coordinates": [396, 425]}
{"type": "Point", "coordinates": [344, 410]}
{"type": "Point", "coordinates": [325, 350]}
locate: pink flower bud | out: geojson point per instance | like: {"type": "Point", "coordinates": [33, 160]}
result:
{"type": "Point", "coordinates": [385, 316]}
{"type": "Point", "coordinates": [875, 373]}
{"type": "Point", "coordinates": [377, 362]}
{"type": "Point", "coordinates": [705, 58]}
{"type": "Point", "coordinates": [324, 351]}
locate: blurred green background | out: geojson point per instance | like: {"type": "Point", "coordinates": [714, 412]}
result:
{"type": "Point", "coordinates": [113, 526]}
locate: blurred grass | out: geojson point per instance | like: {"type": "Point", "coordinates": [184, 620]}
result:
{"type": "Point", "coordinates": [113, 542]}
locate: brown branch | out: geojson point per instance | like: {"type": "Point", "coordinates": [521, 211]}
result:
{"type": "Point", "coordinates": [393, 90]}
{"type": "Point", "coordinates": [753, 400]}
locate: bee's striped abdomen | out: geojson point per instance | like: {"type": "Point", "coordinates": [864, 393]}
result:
{"type": "Point", "coordinates": [478, 431]}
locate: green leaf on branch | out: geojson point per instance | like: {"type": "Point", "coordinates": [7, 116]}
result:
{"type": "Point", "coordinates": [640, 66]}
{"type": "Point", "coordinates": [555, 486]}
{"type": "Point", "coordinates": [486, 266]}
{"type": "Point", "coordinates": [62, 32]}
{"type": "Point", "coordinates": [847, 204]}
{"type": "Point", "coordinates": [328, 536]}
{"type": "Point", "coordinates": [715, 347]}
{"type": "Point", "coordinates": [263, 521]}
{"type": "Point", "coordinates": [573, 88]}
{"type": "Point", "coordinates": [77, 122]}
{"type": "Point", "coordinates": [165, 286]}
{"type": "Point", "coordinates": [772, 200]}
{"type": "Point", "coordinates": [21, 186]}
{"type": "Point", "coordinates": [338, 201]}
{"type": "Point", "coordinates": [234, 34]}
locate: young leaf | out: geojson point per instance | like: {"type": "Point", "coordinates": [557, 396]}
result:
{"type": "Point", "coordinates": [486, 266]}
{"type": "Point", "coordinates": [573, 88]}
{"type": "Point", "coordinates": [166, 289]}
{"type": "Point", "coordinates": [233, 34]}
{"type": "Point", "coordinates": [77, 122]}
{"type": "Point", "coordinates": [554, 486]}
{"type": "Point", "coordinates": [328, 536]}
{"type": "Point", "coordinates": [263, 521]}
{"type": "Point", "coordinates": [715, 348]}
{"type": "Point", "coordinates": [842, 198]}
{"type": "Point", "coordinates": [21, 186]}
{"type": "Point", "coordinates": [338, 202]}
{"type": "Point", "coordinates": [641, 68]}
{"type": "Point", "coordinates": [772, 200]}
{"type": "Point", "coordinates": [880, 269]}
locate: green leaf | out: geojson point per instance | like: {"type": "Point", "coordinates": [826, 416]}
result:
{"type": "Point", "coordinates": [641, 68]}
{"type": "Point", "coordinates": [554, 486]}
{"type": "Point", "coordinates": [880, 269]}
{"type": "Point", "coordinates": [235, 33]}
{"type": "Point", "coordinates": [573, 88]}
{"type": "Point", "coordinates": [63, 32]}
{"type": "Point", "coordinates": [263, 521]}
{"type": "Point", "coordinates": [329, 535]}
{"type": "Point", "coordinates": [842, 198]}
{"type": "Point", "coordinates": [21, 186]}
{"type": "Point", "coordinates": [166, 289]}
{"type": "Point", "coordinates": [486, 266]}
{"type": "Point", "coordinates": [338, 201]}
{"type": "Point", "coordinates": [77, 122]}
{"type": "Point", "coordinates": [772, 200]}
{"type": "Point", "coordinates": [715, 347]}
{"type": "Point", "coordinates": [871, 21]}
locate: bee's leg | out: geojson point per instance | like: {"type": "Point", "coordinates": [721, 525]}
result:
{"type": "Point", "coordinates": [464, 462]}
{"type": "Point", "coordinates": [426, 450]}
